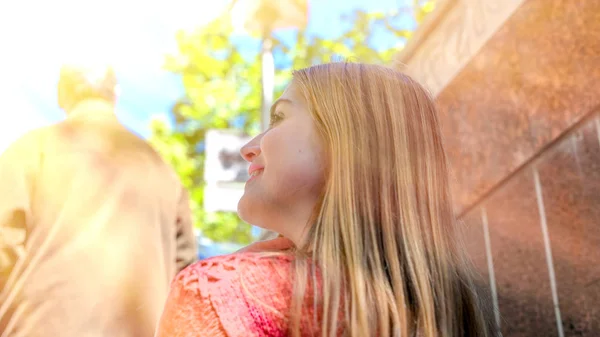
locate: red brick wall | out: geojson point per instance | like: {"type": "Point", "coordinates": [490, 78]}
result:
{"type": "Point", "coordinates": [557, 193]}
{"type": "Point", "coordinates": [522, 128]}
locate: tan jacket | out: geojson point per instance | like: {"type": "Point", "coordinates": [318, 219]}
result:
{"type": "Point", "coordinates": [93, 227]}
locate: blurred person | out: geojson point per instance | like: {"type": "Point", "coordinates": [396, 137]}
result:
{"type": "Point", "coordinates": [94, 224]}
{"type": "Point", "coordinates": [352, 174]}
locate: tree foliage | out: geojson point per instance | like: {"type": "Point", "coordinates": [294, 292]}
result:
{"type": "Point", "coordinates": [222, 90]}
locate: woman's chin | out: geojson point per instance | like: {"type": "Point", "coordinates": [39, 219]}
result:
{"type": "Point", "coordinates": [246, 212]}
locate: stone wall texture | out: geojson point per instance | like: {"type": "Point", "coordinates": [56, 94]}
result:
{"type": "Point", "coordinates": [521, 120]}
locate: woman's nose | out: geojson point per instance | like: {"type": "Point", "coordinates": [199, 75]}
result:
{"type": "Point", "coordinates": [252, 149]}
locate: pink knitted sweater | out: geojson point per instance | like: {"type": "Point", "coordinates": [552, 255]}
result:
{"type": "Point", "coordinates": [244, 294]}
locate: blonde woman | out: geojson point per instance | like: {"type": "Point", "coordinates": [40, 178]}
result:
{"type": "Point", "coordinates": [352, 175]}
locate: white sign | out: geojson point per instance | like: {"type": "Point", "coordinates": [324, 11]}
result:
{"type": "Point", "coordinates": [225, 171]}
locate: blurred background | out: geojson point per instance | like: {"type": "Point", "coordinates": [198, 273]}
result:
{"type": "Point", "coordinates": [193, 76]}
{"type": "Point", "coordinates": [517, 83]}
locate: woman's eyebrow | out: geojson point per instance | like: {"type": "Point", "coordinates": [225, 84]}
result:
{"type": "Point", "coordinates": [277, 102]}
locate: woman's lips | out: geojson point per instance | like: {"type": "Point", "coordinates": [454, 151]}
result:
{"type": "Point", "coordinates": [253, 167]}
{"type": "Point", "coordinates": [254, 170]}
{"type": "Point", "coordinates": [255, 174]}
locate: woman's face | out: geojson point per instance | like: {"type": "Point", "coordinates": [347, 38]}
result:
{"type": "Point", "coordinates": [286, 169]}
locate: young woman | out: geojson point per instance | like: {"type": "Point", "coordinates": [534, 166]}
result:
{"type": "Point", "coordinates": [352, 174]}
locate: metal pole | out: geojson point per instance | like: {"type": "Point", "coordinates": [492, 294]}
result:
{"type": "Point", "coordinates": [268, 80]}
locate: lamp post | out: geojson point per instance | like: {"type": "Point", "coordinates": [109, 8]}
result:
{"type": "Point", "coordinates": [263, 17]}
{"type": "Point", "coordinates": [267, 67]}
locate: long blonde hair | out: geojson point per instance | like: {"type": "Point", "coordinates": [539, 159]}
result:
{"type": "Point", "coordinates": [383, 237]}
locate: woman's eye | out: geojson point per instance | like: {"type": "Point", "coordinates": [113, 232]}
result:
{"type": "Point", "coordinates": [275, 118]}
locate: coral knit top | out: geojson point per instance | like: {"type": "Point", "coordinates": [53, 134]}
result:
{"type": "Point", "coordinates": [243, 294]}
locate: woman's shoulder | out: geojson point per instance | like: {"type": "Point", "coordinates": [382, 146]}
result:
{"type": "Point", "coordinates": [250, 266]}
{"type": "Point", "coordinates": [241, 275]}
{"type": "Point", "coordinates": [246, 290]}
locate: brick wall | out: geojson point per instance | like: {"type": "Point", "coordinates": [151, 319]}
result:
{"type": "Point", "coordinates": [522, 126]}
{"type": "Point", "coordinates": [536, 239]}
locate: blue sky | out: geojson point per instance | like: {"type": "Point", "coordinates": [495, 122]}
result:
{"type": "Point", "coordinates": [38, 36]}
